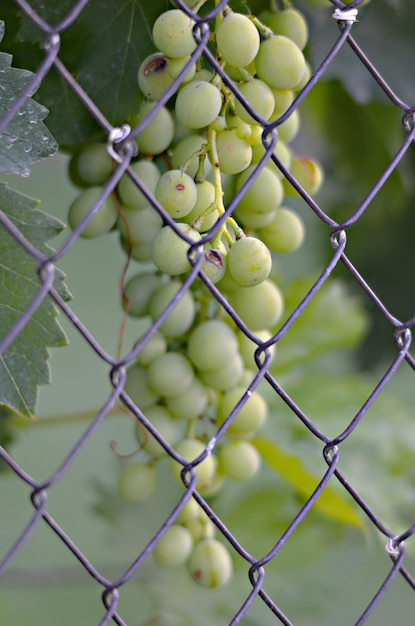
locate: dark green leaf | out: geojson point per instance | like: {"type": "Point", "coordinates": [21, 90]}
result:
{"type": "Point", "coordinates": [290, 468]}
{"type": "Point", "coordinates": [25, 139]}
{"type": "Point", "coordinates": [103, 50]}
{"type": "Point", "coordinates": [23, 366]}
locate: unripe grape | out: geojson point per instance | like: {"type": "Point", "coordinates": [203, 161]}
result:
{"type": "Point", "coordinates": [103, 219]}
{"type": "Point", "coordinates": [190, 511]}
{"type": "Point", "coordinates": [214, 264]}
{"type": "Point", "coordinates": [226, 376]}
{"type": "Point", "coordinates": [155, 346]}
{"type": "Point", "coordinates": [140, 226]}
{"type": "Point", "coordinates": [137, 482]}
{"type": "Point", "coordinates": [130, 195]}
{"type": "Point", "coordinates": [290, 23]}
{"type": "Point", "coordinates": [169, 250]}
{"type": "Point", "coordinates": [205, 198]}
{"type": "Point", "coordinates": [138, 291]}
{"type": "Point", "coordinates": [138, 388]}
{"type": "Point", "coordinates": [93, 164]}
{"type": "Point", "coordinates": [252, 219]}
{"type": "Point", "coordinates": [259, 96]}
{"type": "Point", "coordinates": [175, 66]}
{"type": "Point", "coordinates": [181, 316]}
{"type": "Point", "coordinates": [197, 104]}
{"type": "Point", "coordinates": [247, 347]}
{"type": "Point", "coordinates": [170, 373]}
{"type": "Point", "coordinates": [280, 63]}
{"type": "Point", "coordinates": [249, 261]}
{"type": "Point", "coordinates": [190, 403]}
{"type": "Point", "coordinates": [285, 233]}
{"type": "Point", "coordinates": [259, 307]}
{"type": "Point", "coordinates": [234, 154]}
{"type": "Point", "coordinates": [200, 526]}
{"type": "Point", "coordinates": [210, 564]}
{"type": "Point", "coordinates": [170, 429]}
{"type": "Point", "coordinates": [211, 345]}
{"type": "Point", "coordinates": [173, 34]}
{"type": "Point", "coordinates": [184, 149]}
{"type": "Point", "coordinates": [264, 194]}
{"type": "Point", "coordinates": [308, 173]}
{"type": "Point", "coordinates": [249, 418]}
{"type": "Point", "coordinates": [190, 449]}
{"type": "Point", "coordinates": [156, 137]}
{"type": "Point", "coordinates": [176, 192]}
{"type": "Point", "coordinates": [174, 547]}
{"type": "Point", "coordinates": [237, 39]}
{"type": "Point", "coordinates": [153, 76]}
{"type": "Point", "coordinates": [239, 459]}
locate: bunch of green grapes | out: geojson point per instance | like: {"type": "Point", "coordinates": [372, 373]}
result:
{"type": "Point", "coordinates": [202, 148]}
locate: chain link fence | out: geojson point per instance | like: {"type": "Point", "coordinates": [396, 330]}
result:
{"type": "Point", "coordinates": [121, 145]}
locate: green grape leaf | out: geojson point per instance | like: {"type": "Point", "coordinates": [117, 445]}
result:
{"type": "Point", "coordinates": [102, 49]}
{"type": "Point", "coordinates": [25, 138]}
{"type": "Point", "coordinates": [333, 320]}
{"type": "Point", "coordinates": [23, 365]}
{"type": "Point", "coordinates": [290, 468]}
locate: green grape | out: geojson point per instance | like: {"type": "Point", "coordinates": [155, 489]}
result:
{"type": "Point", "coordinates": [259, 307]}
{"type": "Point", "coordinates": [173, 34]}
{"type": "Point", "coordinates": [190, 403]}
{"type": "Point", "coordinates": [170, 373]}
{"type": "Point", "coordinates": [214, 264]}
{"type": "Point", "coordinates": [237, 39]}
{"type": "Point", "coordinates": [234, 154]}
{"type": "Point", "coordinates": [170, 429]}
{"type": "Point", "coordinates": [290, 23]}
{"type": "Point", "coordinates": [285, 233]}
{"type": "Point", "coordinates": [197, 104]}
{"type": "Point", "coordinates": [174, 547]}
{"type": "Point", "coordinates": [308, 173]}
{"type": "Point", "coordinates": [211, 345]}
{"type": "Point", "coordinates": [176, 192]}
{"type": "Point", "coordinates": [306, 77]}
{"type": "Point", "coordinates": [153, 76]}
{"type": "Point", "coordinates": [249, 261]}
{"type": "Point", "coordinates": [158, 134]}
{"type": "Point", "coordinates": [169, 250]}
{"type": "Point", "coordinates": [281, 151]}
{"type": "Point", "coordinates": [198, 218]}
{"type": "Point", "coordinates": [252, 219]}
{"type": "Point", "coordinates": [249, 418]}
{"type": "Point", "coordinates": [129, 194]}
{"type": "Point", "coordinates": [283, 98]}
{"type": "Point", "coordinates": [155, 346]}
{"type": "Point", "coordinates": [140, 226]}
{"type": "Point", "coordinates": [239, 74]}
{"type": "Point", "coordinates": [259, 96]}
{"type": "Point", "coordinates": [204, 74]}
{"type": "Point", "coordinates": [92, 165]}
{"type": "Point", "coordinates": [189, 512]}
{"type": "Point", "coordinates": [280, 63]}
{"type": "Point", "coordinates": [239, 459]}
{"type": "Point", "coordinates": [175, 66]}
{"type": "Point", "coordinates": [186, 148]}
{"type": "Point", "coordinates": [136, 482]}
{"type": "Point", "coordinates": [181, 317]}
{"type": "Point", "coordinates": [201, 526]}
{"type": "Point", "coordinates": [137, 386]}
{"type": "Point", "coordinates": [288, 130]}
{"type": "Point", "coordinates": [138, 251]}
{"type": "Point", "coordinates": [247, 347]}
{"type": "Point", "coordinates": [210, 564]}
{"type": "Point", "coordinates": [138, 291]}
{"type": "Point", "coordinates": [264, 194]}
{"type": "Point", "coordinates": [190, 449]}
{"type": "Point", "coordinates": [224, 377]}
{"type": "Point", "coordinates": [103, 219]}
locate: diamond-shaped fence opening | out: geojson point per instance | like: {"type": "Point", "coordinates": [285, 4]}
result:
{"type": "Point", "coordinates": [291, 498]}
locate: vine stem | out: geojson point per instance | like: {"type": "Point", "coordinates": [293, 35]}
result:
{"type": "Point", "coordinates": [73, 418]}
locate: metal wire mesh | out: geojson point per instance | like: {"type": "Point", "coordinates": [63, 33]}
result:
{"type": "Point", "coordinates": [122, 146]}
